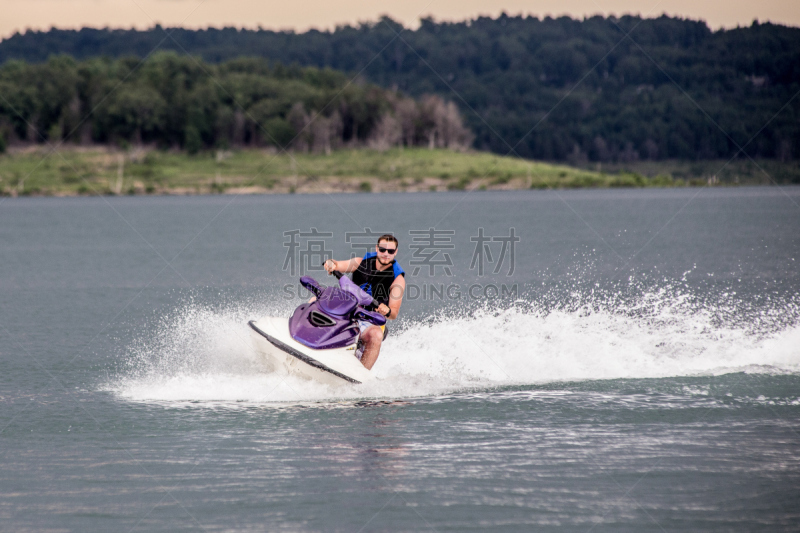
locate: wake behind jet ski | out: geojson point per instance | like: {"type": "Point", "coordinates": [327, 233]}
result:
{"type": "Point", "coordinates": [320, 339]}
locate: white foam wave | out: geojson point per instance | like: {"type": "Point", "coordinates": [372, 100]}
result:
{"type": "Point", "coordinates": [205, 355]}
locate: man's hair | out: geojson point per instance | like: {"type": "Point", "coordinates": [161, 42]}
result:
{"type": "Point", "coordinates": [389, 237]}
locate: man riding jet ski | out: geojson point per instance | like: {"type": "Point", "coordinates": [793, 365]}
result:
{"type": "Point", "coordinates": [382, 277]}
{"type": "Point", "coordinates": [321, 339]}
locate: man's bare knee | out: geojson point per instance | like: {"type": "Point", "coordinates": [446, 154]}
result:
{"type": "Point", "coordinates": [372, 338]}
{"type": "Point", "coordinates": [373, 335]}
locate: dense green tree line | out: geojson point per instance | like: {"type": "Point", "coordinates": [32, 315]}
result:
{"type": "Point", "coordinates": [558, 89]}
{"type": "Point", "coordinates": [180, 101]}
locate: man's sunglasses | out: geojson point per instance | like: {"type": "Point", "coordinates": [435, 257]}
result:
{"type": "Point", "coordinates": [390, 251]}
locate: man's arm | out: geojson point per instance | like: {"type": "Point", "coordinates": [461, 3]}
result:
{"type": "Point", "coordinates": [343, 266]}
{"type": "Point", "coordinates": [396, 296]}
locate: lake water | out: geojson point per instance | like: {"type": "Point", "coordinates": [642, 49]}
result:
{"type": "Point", "coordinates": [636, 367]}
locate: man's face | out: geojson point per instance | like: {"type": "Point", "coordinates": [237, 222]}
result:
{"type": "Point", "coordinates": [386, 251]}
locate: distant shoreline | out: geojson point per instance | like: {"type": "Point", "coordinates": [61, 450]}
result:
{"type": "Point", "coordinates": [39, 170]}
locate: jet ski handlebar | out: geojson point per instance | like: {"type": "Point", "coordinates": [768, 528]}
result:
{"type": "Point", "coordinates": [339, 275]}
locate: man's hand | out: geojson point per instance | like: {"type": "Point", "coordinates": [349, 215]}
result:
{"type": "Point", "coordinates": [384, 310]}
{"type": "Point", "coordinates": [330, 266]}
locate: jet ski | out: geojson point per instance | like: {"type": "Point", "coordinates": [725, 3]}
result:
{"type": "Point", "coordinates": [320, 340]}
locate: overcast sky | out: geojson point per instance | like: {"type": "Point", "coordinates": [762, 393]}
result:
{"type": "Point", "coordinates": [300, 15]}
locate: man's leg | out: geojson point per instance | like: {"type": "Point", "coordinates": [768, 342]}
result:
{"type": "Point", "coordinates": [372, 337]}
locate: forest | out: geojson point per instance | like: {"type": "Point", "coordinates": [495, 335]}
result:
{"type": "Point", "coordinates": [179, 101]}
{"type": "Point", "coordinates": [600, 89]}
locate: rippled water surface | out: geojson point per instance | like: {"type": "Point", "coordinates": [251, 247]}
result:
{"type": "Point", "coordinates": [643, 374]}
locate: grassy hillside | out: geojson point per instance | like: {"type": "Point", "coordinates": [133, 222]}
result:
{"type": "Point", "coordinates": [98, 170]}
{"type": "Point", "coordinates": [741, 171]}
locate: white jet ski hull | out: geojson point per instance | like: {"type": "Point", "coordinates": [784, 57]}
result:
{"type": "Point", "coordinates": [336, 366]}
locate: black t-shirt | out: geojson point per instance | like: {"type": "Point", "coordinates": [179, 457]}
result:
{"type": "Point", "coordinates": [375, 282]}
